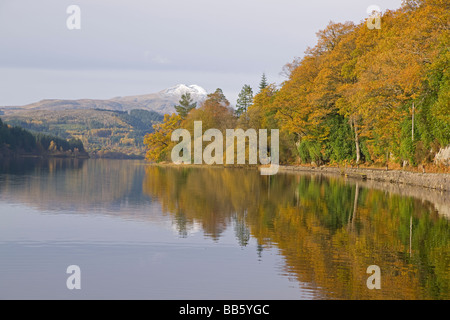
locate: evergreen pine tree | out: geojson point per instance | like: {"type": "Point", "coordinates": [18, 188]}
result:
{"type": "Point", "coordinates": [245, 100]}
{"type": "Point", "coordinates": [186, 105]}
{"type": "Point", "coordinates": [263, 84]}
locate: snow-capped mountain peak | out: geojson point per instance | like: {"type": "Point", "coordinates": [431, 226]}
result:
{"type": "Point", "coordinates": [197, 92]}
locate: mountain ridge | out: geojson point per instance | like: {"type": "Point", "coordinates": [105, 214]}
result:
{"type": "Point", "coordinates": [107, 128]}
{"type": "Point", "coordinates": [162, 102]}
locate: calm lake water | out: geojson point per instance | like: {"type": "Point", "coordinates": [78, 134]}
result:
{"type": "Point", "coordinates": [146, 232]}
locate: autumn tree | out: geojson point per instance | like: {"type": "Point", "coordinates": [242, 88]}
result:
{"type": "Point", "coordinates": [385, 85]}
{"type": "Point", "coordinates": [53, 147]}
{"type": "Point", "coordinates": [261, 113]}
{"type": "Point", "coordinates": [215, 113]}
{"type": "Point", "coordinates": [394, 83]}
{"type": "Point", "coordinates": [159, 143]}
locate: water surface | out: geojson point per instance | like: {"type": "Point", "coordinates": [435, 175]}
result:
{"type": "Point", "coordinates": [147, 232]}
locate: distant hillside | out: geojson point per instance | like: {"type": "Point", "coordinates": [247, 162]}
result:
{"type": "Point", "coordinates": [104, 133]}
{"type": "Point", "coordinates": [113, 128]}
{"type": "Point", "coordinates": [16, 141]}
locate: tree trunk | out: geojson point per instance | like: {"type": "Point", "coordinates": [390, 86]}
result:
{"type": "Point", "coordinates": [413, 119]}
{"type": "Point", "coordinates": [358, 149]}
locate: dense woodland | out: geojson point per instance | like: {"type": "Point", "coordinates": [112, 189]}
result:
{"type": "Point", "coordinates": [18, 141]}
{"type": "Point", "coordinates": [104, 133]}
{"type": "Point", "coordinates": [361, 95]}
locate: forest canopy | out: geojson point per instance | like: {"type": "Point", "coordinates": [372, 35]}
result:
{"type": "Point", "coordinates": [18, 141]}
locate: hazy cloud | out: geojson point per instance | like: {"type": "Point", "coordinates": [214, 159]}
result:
{"type": "Point", "coordinates": [207, 42]}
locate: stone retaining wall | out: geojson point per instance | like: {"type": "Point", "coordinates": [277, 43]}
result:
{"type": "Point", "coordinates": [436, 181]}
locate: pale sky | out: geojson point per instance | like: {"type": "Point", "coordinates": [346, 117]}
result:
{"type": "Point", "coordinates": [131, 47]}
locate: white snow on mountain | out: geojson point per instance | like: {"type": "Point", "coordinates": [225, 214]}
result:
{"type": "Point", "coordinates": [197, 92]}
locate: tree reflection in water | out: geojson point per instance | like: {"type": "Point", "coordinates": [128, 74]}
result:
{"type": "Point", "coordinates": [327, 229]}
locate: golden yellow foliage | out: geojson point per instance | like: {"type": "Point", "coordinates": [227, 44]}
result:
{"type": "Point", "coordinates": [159, 143]}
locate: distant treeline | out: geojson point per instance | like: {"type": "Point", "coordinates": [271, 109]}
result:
{"type": "Point", "coordinates": [101, 131]}
{"type": "Point", "coordinates": [142, 122]}
{"type": "Point", "coordinates": [18, 141]}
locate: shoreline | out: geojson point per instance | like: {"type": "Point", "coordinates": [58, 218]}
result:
{"type": "Point", "coordinates": [433, 188]}
{"type": "Point", "coordinates": [433, 181]}
{"type": "Point", "coordinates": [439, 199]}
{"type": "Point", "coordinates": [9, 157]}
